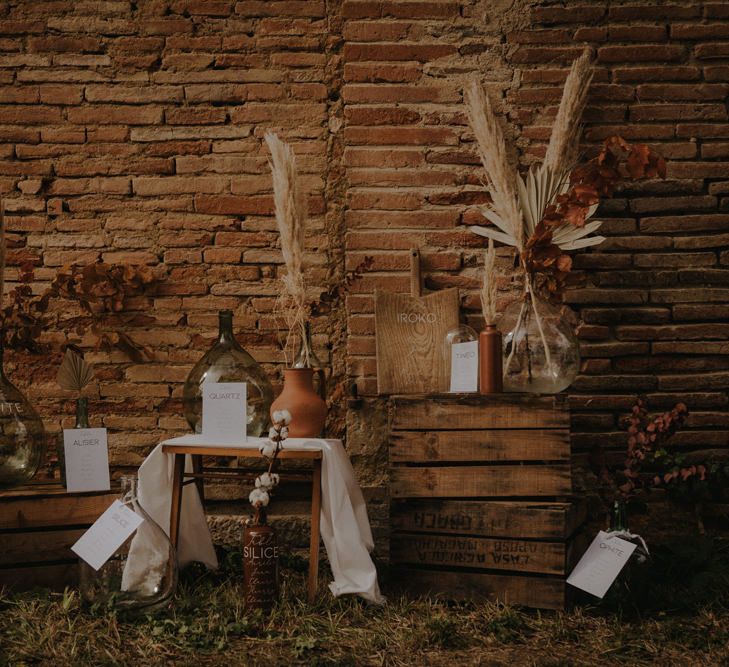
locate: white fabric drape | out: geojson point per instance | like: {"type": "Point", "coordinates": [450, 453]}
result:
{"type": "Point", "coordinates": [345, 528]}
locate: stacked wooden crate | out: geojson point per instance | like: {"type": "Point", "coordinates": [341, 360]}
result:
{"type": "Point", "coordinates": [38, 525]}
{"type": "Point", "coordinates": [480, 497]}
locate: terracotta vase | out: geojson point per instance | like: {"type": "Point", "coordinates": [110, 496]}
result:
{"type": "Point", "coordinates": [260, 563]}
{"type": "Point", "coordinates": [490, 351]}
{"type": "Point", "coordinates": [308, 410]}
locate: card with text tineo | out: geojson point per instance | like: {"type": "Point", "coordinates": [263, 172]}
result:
{"type": "Point", "coordinates": [87, 459]}
{"type": "Point", "coordinates": [601, 564]}
{"type": "Point", "coordinates": [464, 367]}
{"type": "Point", "coordinates": [107, 534]}
{"type": "Point", "coordinates": [225, 412]}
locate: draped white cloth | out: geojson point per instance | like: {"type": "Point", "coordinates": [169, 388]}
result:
{"type": "Point", "coordinates": [345, 528]}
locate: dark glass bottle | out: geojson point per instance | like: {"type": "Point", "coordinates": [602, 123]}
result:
{"type": "Point", "coordinates": [227, 361]}
{"type": "Point", "coordinates": [260, 563]}
{"type": "Point", "coordinates": [22, 437]}
{"type": "Point", "coordinates": [82, 421]}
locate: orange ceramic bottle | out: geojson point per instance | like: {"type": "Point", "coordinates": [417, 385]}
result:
{"type": "Point", "coordinates": [490, 379]}
{"type": "Point", "coordinates": [308, 410]}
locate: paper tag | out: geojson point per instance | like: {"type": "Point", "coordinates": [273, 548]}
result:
{"type": "Point", "coordinates": [108, 533]}
{"type": "Point", "coordinates": [225, 414]}
{"type": "Point", "coordinates": [601, 564]}
{"type": "Point", "coordinates": [87, 459]}
{"type": "Point", "coordinates": [464, 367]}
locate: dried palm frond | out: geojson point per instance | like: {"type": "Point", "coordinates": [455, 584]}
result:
{"type": "Point", "coordinates": [290, 205]}
{"type": "Point", "coordinates": [74, 373]}
{"type": "Point", "coordinates": [488, 285]}
{"type": "Point", "coordinates": [505, 212]}
{"type": "Point", "coordinates": [564, 141]}
{"type": "Point", "coordinates": [535, 193]}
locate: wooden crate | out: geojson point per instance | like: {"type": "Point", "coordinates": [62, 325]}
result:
{"type": "Point", "coordinates": [480, 497]}
{"type": "Point", "coordinates": [38, 525]}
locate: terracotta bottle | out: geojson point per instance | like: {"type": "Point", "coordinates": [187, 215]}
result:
{"type": "Point", "coordinates": [260, 563]}
{"type": "Point", "coordinates": [490, 379]}
{"type": "Point", "coordinates": [308, 410]}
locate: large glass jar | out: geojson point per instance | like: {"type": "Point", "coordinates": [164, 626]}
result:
{"type": "Point", "coordinates": [22, 438]}
{"type": "Point", "coordinates": [227, 361]}
{"type": "Point", "coordinates": [541, 350]}
{"type": "Point", "coordinates": [141, 575]}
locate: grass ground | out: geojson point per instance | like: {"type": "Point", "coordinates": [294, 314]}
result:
{"type": "Point", "coordinates": [208, 625]}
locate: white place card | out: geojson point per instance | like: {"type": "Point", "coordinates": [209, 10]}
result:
{"type": "Point", "coordinates": [225, 413]}
{"type": "Point", "coordinates": [464, 367]}
{"type": "Point", "coordinates": [87, 459]}
{"type": "Point", "coordinates": [601, 564]}
{"type": "Point", "coordinates": [108, 533]}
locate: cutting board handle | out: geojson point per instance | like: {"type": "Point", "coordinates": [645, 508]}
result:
{"type": "Point", "coordinates": [416, 285]}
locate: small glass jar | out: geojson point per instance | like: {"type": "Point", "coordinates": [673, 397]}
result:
{"type": "Point", "coordinates": [141, 575]}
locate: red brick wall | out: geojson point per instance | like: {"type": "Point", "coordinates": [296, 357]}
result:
{"type": "Point", "coordinates": [132, 132]}
{"type": "Point", "coordinates": [654, 298]}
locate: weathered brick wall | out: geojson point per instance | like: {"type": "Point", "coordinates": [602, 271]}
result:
{"type": "Point", "coordinates": [653, 297]}
{"type": "Point", "coordinates": [132, 132]}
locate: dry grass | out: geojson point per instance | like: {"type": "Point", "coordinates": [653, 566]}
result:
{"type": "Point", "coordinates": [207, 625]}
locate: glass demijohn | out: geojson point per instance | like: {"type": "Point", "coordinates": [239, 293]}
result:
{"type": "Point", "coordinates": [227, 361]}
{"type": "Point", "coordinates": [541, 351]}
{"type": "Point", "coordinates": [141, 575]}
{"type": "Point", "coordinates": [22, 438]}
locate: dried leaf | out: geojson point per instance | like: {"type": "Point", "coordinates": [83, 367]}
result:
{"type": "Point", "coordinates": [74, 372]}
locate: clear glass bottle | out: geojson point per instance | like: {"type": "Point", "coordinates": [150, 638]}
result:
{"type": "Point", "coordinates": [22, 437]}
{"type": "Point", "coordinates": [541, 350]}
{"type": "Point", "coordinates": [82, 421]}
{"type": "Point", "coordinates": [141, 575]}
{"type": "Point", "coordinates": [227, 361]}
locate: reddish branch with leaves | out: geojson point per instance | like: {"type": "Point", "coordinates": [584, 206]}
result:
{"type": "Point", "coordinates": [102, 292]}
{"type": "Point", "coordinates": [591, 181]}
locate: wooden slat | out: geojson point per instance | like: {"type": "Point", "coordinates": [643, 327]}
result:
{"type": "Point", "coordinates": [537, 592]}
{"type": "Point", "coordinates": [38, 546]}
{"type": "Point", "coordinates": [469, 411]}
{"type": "Point", "coordinates": [52, 510]}
{"type": "Point", "coordinates": [554, 521]}
{"type": "Point", "coordinates": [479, 552]}
{"type": "Point", "coordinates": [239, 452]}
{"type": "Point", "coordinates": [481, 481]}
{"type": "Point", "coordinates": [492, 445]}
{"type": "Point", "coordinates": [56, 577]}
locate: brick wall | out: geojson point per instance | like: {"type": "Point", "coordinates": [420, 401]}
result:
{"type": "Point", "coordinates": [132, 132]}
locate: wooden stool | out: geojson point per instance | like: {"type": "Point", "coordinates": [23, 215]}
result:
{"type": "Point", "coordinates": [199, 474]}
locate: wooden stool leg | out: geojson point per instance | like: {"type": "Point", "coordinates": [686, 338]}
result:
{"type": "Point", "coordinates": [176, 501]}
{"type": "Point", "coordinates": [315, 520]}
{"type": "Point", "coordinates": [197, 468]}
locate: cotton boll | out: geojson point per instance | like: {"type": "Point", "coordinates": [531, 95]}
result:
{"type": "Point", "coordinates": [268, 449]}
{"type": "Point", "coordinates": [284, 432]}
{"type": "Point", "coordinates": [266, 481]}
{"type": "Point", "coordinates": [285, 417]}
{"type": "Point", "coordinates": [259, 497]}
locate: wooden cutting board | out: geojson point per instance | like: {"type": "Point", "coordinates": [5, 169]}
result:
{"type": "Point", "coordinates": [410, 336]}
